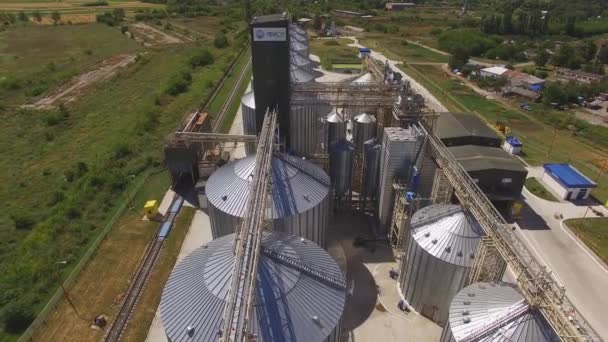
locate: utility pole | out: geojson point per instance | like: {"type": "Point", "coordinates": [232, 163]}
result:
{"type": "Point", "coordinates": [66, 295]}
{"type": "Point", "coordinates": [552, 141]}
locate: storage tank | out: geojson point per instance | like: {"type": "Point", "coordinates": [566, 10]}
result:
{"type": "Point", "coordinates": [306, 129]}
{"type": "Point", "coordinates": [364, 126]}
{"type": "Point", "coordinates": [301, 62]}
{"type": "Point", "coordinates": [438, 258]}
{"type": "Point", "coordinates": [371, 164]}
{"type": "Point", "coordinates": [485, 312]}
{"type": "Point", "coordinates": [335, 127]}
{"type": "Point", "coordinates": [291, 303]}
{"type": "Point", "coordinates": [248, 113]}
{"type": "Point", "coordinates": [341, 166]}
{"type": "Point", "coordinates": [299, 75]}
{"type": "Point", "coordinates": [300, 197]}
{"type": "Point", "coordinates": [299, 48]}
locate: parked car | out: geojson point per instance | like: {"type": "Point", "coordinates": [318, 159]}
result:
{"type": "Point", "coordinates": [525, 106]}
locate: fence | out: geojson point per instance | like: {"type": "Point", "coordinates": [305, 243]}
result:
{"type": "Point", "coordinates": [28, 334]}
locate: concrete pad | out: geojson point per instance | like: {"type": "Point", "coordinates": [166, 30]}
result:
{"type": "Point", "coordinates": [163, 207]}
{"type": "Point", "coordinates": [198, 234]}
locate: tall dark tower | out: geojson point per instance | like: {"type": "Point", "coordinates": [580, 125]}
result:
{"type": "Point", "coordinates": [270, 61]}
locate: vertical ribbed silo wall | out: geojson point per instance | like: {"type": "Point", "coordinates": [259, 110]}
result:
{"type": "Point", "coordinates": [395, 161]}
{"type": "Point", "coordinates": [248, 114]}
{"type": "Point", "coordinates": [363, 131]}
{"type": "Point", "coordinates": [303, 130]}
{"type": "Point", "coordinates": [446, 334]}
{"type": "Point", "coordinates": [428, 283]}
{"type": "Point", "coordinates": [311, 224]}
{"type": "Point", "coordinates": [221, 222]}
{"type": "Point", "coordinates": [371, 158]}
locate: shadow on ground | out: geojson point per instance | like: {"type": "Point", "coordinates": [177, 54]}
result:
{"type": "Point", "coordinates": [530, 220]}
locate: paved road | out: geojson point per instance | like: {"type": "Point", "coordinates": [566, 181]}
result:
{"type": "Point", "coordinates": [583, 274]}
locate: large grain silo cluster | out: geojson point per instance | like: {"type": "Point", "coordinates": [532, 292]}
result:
{"type": "Point", "coordinates": [438, 257]}
{"type": "Point", "coordinates": [291, 304]}
{"type": "Point", "coordinates": [300, 197]}
{"type": "Point", "coordinates": [487, 312]}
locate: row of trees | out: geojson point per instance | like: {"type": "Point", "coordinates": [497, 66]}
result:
{"type": "Point", "coordinates": [532, 23]}
{"type": "Point", "coordinates": [8, 18]}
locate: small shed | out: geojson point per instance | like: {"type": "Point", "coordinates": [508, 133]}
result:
{"type": "Point", "coordinates": [512, 145]}
{"type": "Point", "coordinates": [364, 52]}
{"type": "Point", "coordinates": [567, 182]}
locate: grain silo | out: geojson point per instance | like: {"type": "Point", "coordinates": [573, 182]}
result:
{"type": "Point", "coordinates": [299, 75]}
{"type": "Point", "coordinates": [439, 255]}
{"type": "Point", "coordinates": [301, 62]}
{"type": "Point", "coordinates": [300, 197]}
{"type": "Point", "coordinates": [292, 303]}
{"type": "Point", "coordinates": [364, 127]}
{"type": "Point", "coordinates": [341, 166]}
{"type": "Point", "coordinates": [335, 126]}
{"type": "Point", "coordinates": [485, 312]}
{"type": "Point", "coordinates": [248, 113]}
{"type": "Point", "coordinates": [371, 161]}
{"type": "Point", "coordinates": [400, 146]}
{"type": "Point", "coordinates": [298, 47]}
{"type": "Point", "coordinates": [306, 134]}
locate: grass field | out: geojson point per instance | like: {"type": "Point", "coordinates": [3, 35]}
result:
{"type": "Point", "coordinates": [541, 142]}
{"type": "Point", "coordinates": [332, 51]}
{"type": "Point", "coordinates": [594, 232]}
{"type": "Point", "coordinates": [62, 170]}
{"type": "Point", "coordinates": [536, 188]}
{"type": "Point", "coordinates": [399, 49]}
{"type": "Point", "coordinates": [216, 105]}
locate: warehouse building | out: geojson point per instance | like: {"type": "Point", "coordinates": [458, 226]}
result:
{"type": "Point", "coordinates": [567, 182]}
{"type": "Point", "coordinates": [498, 174]}
{"type": "Point", "coordinates": [457, 129]}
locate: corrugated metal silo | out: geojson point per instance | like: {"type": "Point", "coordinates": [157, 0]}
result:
{"type": "Point", "coordinates": [335, 127]}
{"type": "Point", "coordinates": [399, 149]}
{"type": "Point", "coordinates": [486, 312]}
{"type": "Point", "coordinates": [301, 62]}
{"type": "Point", "coordinates": [341, 166]}
{"type": "Point", "coordinates": [291, 304]}
{"type": "Point", "coordinates": [371, 163]}
{"type": "Point", "coordinates": [299, 48]}
{"type": "Point", "coordinates": [248, 113]}
{"type": "Point", "coordinates": [300, 197]}
{"type": "Point", "coordinates": [439, 255]}
{"type": "Point", "coordinates": [306, 134]}
{"type": "Point", "coordinates": [364, 126]}
{"type": "Point", "coordinates": [299, 75]}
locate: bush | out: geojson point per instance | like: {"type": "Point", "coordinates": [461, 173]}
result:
{"type": "Point", "coordinates": [201, 58]}
{"type": "Point", "coordinates": [179, 83]}
{"type": "Point", "coordinates": [56, 197]}
{"type": "Point", "coordinates": [436, 31]}
{"type": "Point", "coordinates": [22, 220]}
{"type": "Point", "coordinates": [220, 41]}
{"type": "Point", "coordinates": [17, 316]}
{"type": "Point", "coordinates": [95, 3]}
{"type": "Point", "coordinates": [473, 41]}
{"type": "Point", "coordinates": [121, 150]}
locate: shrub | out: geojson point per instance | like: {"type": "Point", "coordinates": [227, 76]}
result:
{"type": "Point", "coordinates": [17, 316]}
{"type": "Point", "coordinates": [179, 83]}
{"type": "Point", "coordinates": [220, 41]}
{"type": "Point", "coordinates": [201, 58]}
{"type": "Point", "coordinates": [56, 197]}
{"type": "Point", "coordinates": [121, 150]}
{"type": "Point", "coordinates": [95, 3]}
{"type": "Point", "coordinates": [22, 220]}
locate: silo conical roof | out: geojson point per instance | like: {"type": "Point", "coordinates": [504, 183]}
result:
{"type": "Point", "coordinates": [249, 99]}
{"type": "Point", "coordinates": [365, 78]}
{"type": "Point", "coordinates": [299, 75]}
{"type": "Point", "coordinates": [364, 118]}
{"type": "Point", "coordinates": [334, 117]}
{"type": "Point", "coordinates": [492, 308]}
{"type": "Point", "coordinates": [447, 233]}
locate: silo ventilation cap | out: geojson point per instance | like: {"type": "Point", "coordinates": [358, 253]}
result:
{"type": "Point", "coordinates": [190, 331]}
{"type": "Point", "coordinates": [225, 197]}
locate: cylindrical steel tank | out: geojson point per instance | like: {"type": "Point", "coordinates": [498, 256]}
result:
{"type": "Point", "coordinates": [301, 62]}
{"type": "Point", "coordinates": [300, 197]}
{"type": "Point", "coordinates": [371, 164]}
{"type": "Point", "coordinates": [248, 113]}
{"type": "Point", "coordinates": [299, 48]}
{"type": "Point", "coordinates": [341, 166]}
{"type": "Point", "coordinates": [364, 126]}
{"type": "Point", "coordinates": [335, 127]}
{"type": "Point", "coordinates": [476, 310]}
{"type": "Point", "coordinates": [299, 75]}
{"type": "Point", "coordinates": [291, 303]}
{"type": "Point", "coordinates": [306, 129]}
{"type": "Point", "coordinates": [439, 256]}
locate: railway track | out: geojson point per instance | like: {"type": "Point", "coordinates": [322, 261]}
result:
{"type": "Point", "coordinates": [217, 123]}
{"type": "Point", "coordinates": [142, 274]}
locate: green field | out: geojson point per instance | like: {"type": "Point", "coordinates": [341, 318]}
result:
{"type": "Point", "coordinates": [536, 188]}
{"type": "Point", "coordinates": [333, 51]}
{"type": "Point", "coordinates": [62, 170]}
{"type": "Point", "coordinates": [594, 232]}
{"type": "Point", "coordinates": [399, 49]}
{"type": "Point", "coordinates": [542, 143]}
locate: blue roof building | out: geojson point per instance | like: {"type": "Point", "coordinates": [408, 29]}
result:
{"type": "Point", "coordinates": [512, 145]}
{"type": "Point", "coordinates": [567, 182]}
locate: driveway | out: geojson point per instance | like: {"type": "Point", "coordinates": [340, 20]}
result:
{"type": "Point", "coordinates": [584, 275]}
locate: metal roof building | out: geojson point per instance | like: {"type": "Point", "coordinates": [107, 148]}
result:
{"type": "Point", "coordinates": [300, 196]}
{"type": "Point", "coordinates": [292, 303]}
{"type": "Point", "coordinates": [567, 182]}
{"type": "Point", "coordinates": [438, 258]}
{"type": "Point", "coordinates": [485, 312]}
{"type": "Point", "coordinates": [456, 129]}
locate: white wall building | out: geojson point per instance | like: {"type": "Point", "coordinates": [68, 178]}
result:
{"type": "Point", "coordinates": [567, 182]}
